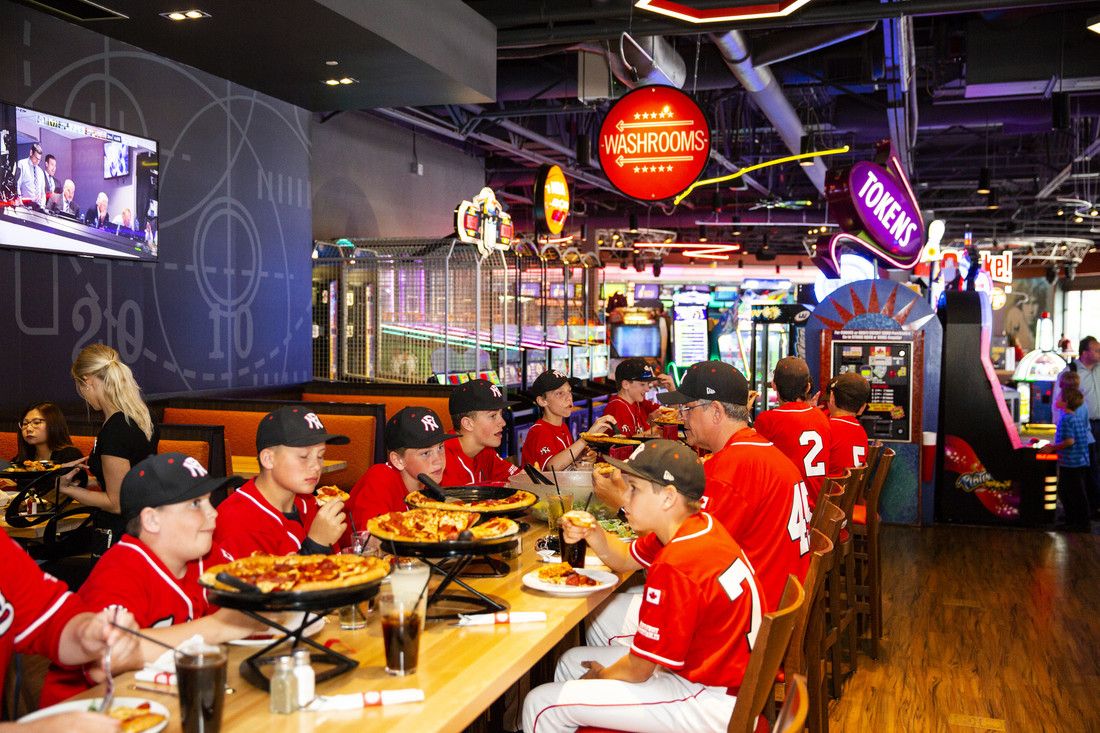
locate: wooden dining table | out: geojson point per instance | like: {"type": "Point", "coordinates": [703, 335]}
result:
{"type": "Point", "coordinates": [462, 669]}
{"type": "Point", "coordinates": [249, 466]}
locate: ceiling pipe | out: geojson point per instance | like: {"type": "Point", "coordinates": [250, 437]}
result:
{"type": "Point", "coordinates": [646, 61]}
{"type": "Point", "coordinates": [786, 45]}
{"type": "Point", "coordinates": [761, 85]}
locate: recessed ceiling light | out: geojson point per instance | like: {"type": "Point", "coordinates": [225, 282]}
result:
{"type": "Point", "coordinates": [348, 80]}
{"type": "Point", "coordinates": [185, 15]}
{"type": "Point", "coordinates": [175, 16]}
{"type": "Point", "coordinates": [331, 63]}
{"type": "Point", "coordinates": [332, 82]}
{"type": "Point", "coordinates": [193, 14]}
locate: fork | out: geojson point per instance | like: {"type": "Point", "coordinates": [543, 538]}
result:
{"type": "Point", "coordinates": [109, 698]}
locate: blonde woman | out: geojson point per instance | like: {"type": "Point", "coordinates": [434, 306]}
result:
{"type": "Point", "coordinates": [128, 434]}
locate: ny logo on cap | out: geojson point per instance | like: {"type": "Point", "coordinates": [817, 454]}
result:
{"type": "Point", "coordinates": [313, 421]}
{"type": "Point", "coordinates": [495, 390]}
{"type": "Point", "coordinates": [192, 465]}
{"type": "Point", "coordinates": [429, 423]}
{"type": "Point", "coordinates": [559, 374]}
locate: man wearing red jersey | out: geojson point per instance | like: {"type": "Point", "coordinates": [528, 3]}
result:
{"type": "Point", "coordinates": [154, 569]}
{"type": "Point", "coordinates": [848, 395]}
{"type": "Point", "coordinates": [549, 442]}
{"type": "Point", "coordinates": [477, 409]}
{"type": "Point", "coordinates": [275, 512]}
{"type": "Point", "coordinates": [701, 610]}
{"type": "Point", "coordinates": [629, 408]}
{"type": "Point", "coordinates": [753, 490]}
{"type": "Point", "coordinates": [415, 445]}
{"type": "Point", "coordinates": [797, 428]}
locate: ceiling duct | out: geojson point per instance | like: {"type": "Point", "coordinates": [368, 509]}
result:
{"type": "Point", "coordinates": [765, 91]}
{"type": "Point", "coordinates": [645, 61]}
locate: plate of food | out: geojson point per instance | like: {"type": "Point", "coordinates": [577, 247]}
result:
{"type": "Point", "coordinates": [136, 714]}
{"type": "Point", "coordinates": [562, 579]}
{"type": "Point", "coordinates": [294, 582]}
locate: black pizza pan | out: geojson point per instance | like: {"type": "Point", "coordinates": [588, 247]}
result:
{"type": "Point", "coordinates": [606, 445]}
{"type": "Point", "coordinates": [452, 548]}
{"type": "Point", "coordinates": [309, 600]}
{"type": "Point", "coordinates": [482, 493]}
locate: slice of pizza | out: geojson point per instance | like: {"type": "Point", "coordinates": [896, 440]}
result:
{"type": "Point", "coordinates": [562, 573]}
{"type": "Point", "coordinates": [135, 720]}
{"type": "Point", "coordinates": [325, 494]}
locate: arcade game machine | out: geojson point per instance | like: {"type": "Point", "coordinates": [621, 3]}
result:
{"type": "Point", "coordinates": [988, 475]}
{"type": "Point", "coordinates": [765, 327]}
{"type": "Point", "coordinates": [690, 332]}
{"type": "Point", "coordinates": [1035, 376]}
{"type": "Point", "coordinates": [726, 341]}
{"type": "Point", "coordinates": [530, 314]}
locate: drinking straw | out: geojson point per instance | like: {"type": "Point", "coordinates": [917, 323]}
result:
{"type": "Point", "coordinates": [142, 636]}
{"type": "Point", "coordinates": [555, 474]}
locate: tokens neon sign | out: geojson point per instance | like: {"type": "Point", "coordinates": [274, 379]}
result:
{"type": "Point", "coordinates": [654, 143]}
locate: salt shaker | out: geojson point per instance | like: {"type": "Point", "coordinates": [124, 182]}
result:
{"type": "Point", "coordinates": [305, 677]}
{"type": "Point", "coordinates": [284, 687]}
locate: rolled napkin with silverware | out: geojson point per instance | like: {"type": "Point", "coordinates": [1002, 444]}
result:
{"type": "Point", "coordinates": [504, 617]}
{"type": "Point", "coordinates": [357, 700]}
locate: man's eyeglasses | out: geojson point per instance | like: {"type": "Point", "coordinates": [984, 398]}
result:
{"type": "Point", "coordinates": [36, 423]}
{"type": "Point", "coordinates": [685, 409]}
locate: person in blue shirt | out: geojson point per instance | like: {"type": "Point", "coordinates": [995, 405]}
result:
{"type": "Point", "coordinates": [1073, 461]}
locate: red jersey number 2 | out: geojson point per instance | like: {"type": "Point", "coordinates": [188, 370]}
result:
{"type": "Point", "coordinates": [813, 463]}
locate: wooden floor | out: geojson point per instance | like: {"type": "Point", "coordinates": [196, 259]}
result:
{"type": "Point", "coordinates": [984, 629]}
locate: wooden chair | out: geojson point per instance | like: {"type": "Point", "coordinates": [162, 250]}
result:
{"type": "Point", "coordinates": [831, 491]}
{"type": "Point", "coordinates": [813, 663]}
{"type": "Point", "coordinates": [867, 556]}
{"type": "Point", "coordinates": [771, 644]}
{"type": "Point", "coordinates": [840, 582]}
{"type": "Point", "coordinates": [795, 662]}
{"type": "Point", "coordinates": [792, 717]}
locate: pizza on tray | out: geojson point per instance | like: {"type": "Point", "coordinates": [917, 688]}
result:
{"type": "Point", "coordinates": [517, 500]}
{"type": "Point", "coordinates": [135, 720]}
{"type": "Point", "coordinates": [275, 573]}
{"type": "Point", "coordinates": [668, 416]}
{"type": "Point", "coordinates": [325, 494]}
{"type": "Point", "coordinates": [432, 525]}
{"type": "Point", "coordinates": [32, 466]}
{"type": "Point", "coordinates": [562, 573]}
{"type": "Point", "coordinates": [609, 439]}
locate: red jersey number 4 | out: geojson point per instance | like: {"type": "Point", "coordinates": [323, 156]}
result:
{"type": "Point", "coordinates": [813, 462]}
{"type": "Point", "coordinates": [798, 525]}
{"type": "Point", "coordinates": [734, 580]}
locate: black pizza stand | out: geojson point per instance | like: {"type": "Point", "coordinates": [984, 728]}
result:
{"type": "Point", "coordinates": [318, 603]}
{"type": "Point", "coordinates": [451, 558]}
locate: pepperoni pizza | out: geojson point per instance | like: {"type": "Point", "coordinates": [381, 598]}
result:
{"type": "Point", "coordinates": [517, 500]}
{"type": "Point", "coordinates": [276, 573]}
{"type": "Point", "coordinates": [431, 525]}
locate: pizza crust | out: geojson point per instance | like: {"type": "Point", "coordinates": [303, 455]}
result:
{"type": "Point", "coordinates": [135, 720]}
{"type": "Point", "coordinates": [325, 494]}
{"type": "Point", "coordinates": [609, 439]}
{"type": "Point", "coordinates": [432, 525]}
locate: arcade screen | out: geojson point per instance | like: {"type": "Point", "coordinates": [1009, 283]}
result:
{"type": "Point", "coordinates": [647, 291]}
{"type": "Point", "coordinates": [96, 168]}
{"type": "Point", "coordinates": [888, 368]}
{"type": "Point", "coordinates": [630, 341]}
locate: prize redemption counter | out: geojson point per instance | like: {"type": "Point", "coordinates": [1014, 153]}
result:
{"type": "Point", "coordinates": [988, 475]}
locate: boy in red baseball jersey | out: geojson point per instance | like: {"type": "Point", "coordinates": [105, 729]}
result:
{"type": "Point", "coordinates": [701, 609]}
{"type": "Point", "coordinates": [275, 513]}
{"type": "Point", "coordinates": [153, 571]}
{"type": "Point", "coordinates": [415, 445]}
{"type": "Point", "coordinates": [41, 616]}
{"type": "Point", "coordinates": [549, 442]}
{"type": "Point", "coordinates": [477, 409]}
{"type": "Point", "coordinates": [630, 409]}
{"type": "Point", "coordinates": [848, 395]}
{"type": "Point", "coordinates": [797, 428]}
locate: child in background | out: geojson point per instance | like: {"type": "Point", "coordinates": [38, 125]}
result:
{"type": "Point", "coordinates": [549, 443]}
{"type": "Point", "coordinates": [629, 408]}
{"type": "Point", "coordinates": [415, 445]}
{"type": "Point", "coordinates": [848, 395]}
{"type": "Point", "coordinates": [154, 569]}
{"type": "Point", "coordinates": [275, 512]}
{"type": "Point", "coordinates": [1071, 445]}
{"type": "Point", "coordinates": [477, 412]}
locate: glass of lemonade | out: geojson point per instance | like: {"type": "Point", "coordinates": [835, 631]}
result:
{"type": "Point", "coordinates": [557, 505]}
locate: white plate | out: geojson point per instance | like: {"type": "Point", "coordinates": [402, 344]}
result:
{"type": "Point", "coordinates": [605, 579]}
{"type": "Point", "coordinates": [72, 706]}
{"type": "Point", "coordinates": [312, 630]}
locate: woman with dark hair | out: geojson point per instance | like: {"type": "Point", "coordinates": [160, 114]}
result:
{"type": "Point", "coordinates": [44, 436]}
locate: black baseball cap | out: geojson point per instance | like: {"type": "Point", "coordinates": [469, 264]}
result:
{"type": "Point", "coordinates": [791, 375]}
{"type": "Point", "coordinates": [477, 394]}
{"type": "Point", "coordinates": [550, 380]}
{"type": "Point", "coordinates": [666, 462]}
{"type": "Point", "coordinates": [415, 427]}
{"type": "Point", "coordinates": [167, 478]}
{"type": "Point", "coordinates": [635, 369]}
{"type": "Point", "coordinates": [709, 380]}
{"type": "Point", "coordinates": [296, 427]}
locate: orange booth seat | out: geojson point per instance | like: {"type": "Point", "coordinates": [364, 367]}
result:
{"type": "Point", "coordinates": [392, 403]}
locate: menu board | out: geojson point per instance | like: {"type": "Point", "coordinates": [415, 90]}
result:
{"type": "Point", "coordinates": [885, 359]}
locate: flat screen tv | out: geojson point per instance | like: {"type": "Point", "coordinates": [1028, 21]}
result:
{"type": "Point", "coordinates": [646, 291]}
{"type": "Point", "coordinates": [643, 340]}
{"type": "Point", "coordinates": [104, 201]}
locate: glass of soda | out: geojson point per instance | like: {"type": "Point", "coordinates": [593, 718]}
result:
{"type": "Point", "coordinates": [200, 674]}
{"type": "Point", "coordinates": [402, 603]}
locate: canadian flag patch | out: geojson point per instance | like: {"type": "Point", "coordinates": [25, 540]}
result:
{"type": "Point", "coordinates": [653, 595]}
